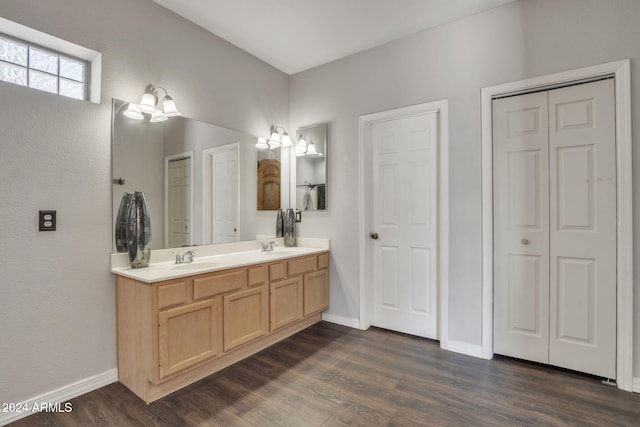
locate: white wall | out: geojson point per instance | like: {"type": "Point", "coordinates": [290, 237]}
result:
{"type": "Point", "coordinates": [57, 296]}
{"type": "Point", "coordinates": [517, 41]}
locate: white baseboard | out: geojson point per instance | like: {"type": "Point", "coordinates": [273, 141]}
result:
{"type": "Point", "coordinates": [339, 320]}
{"type": "Point", "coordinates": [463, 348]}
{"type": "Point", "coordinates": [636, 385]}
{"type": "Point", "coordinates": [58, 396]}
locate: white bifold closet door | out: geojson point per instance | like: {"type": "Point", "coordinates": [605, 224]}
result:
{"type": "Point", "coordinates": [555, 227]}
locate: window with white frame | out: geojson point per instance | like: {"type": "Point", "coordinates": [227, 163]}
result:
{"type": "Point", "coordinates": [26, 64]}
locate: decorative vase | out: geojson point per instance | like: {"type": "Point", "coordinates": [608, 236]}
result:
{"type": "Point", "coordinates": [279, 223]}
{"type": "Point", "coordinates": [121, 222]}
{"type": "Point", "coordinates": [289, 228]}
{"type": "Point", "coordinates": [139, 231]}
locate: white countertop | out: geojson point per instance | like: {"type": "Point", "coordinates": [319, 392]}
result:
{"type": "Point", "coordinates": [212, 258]}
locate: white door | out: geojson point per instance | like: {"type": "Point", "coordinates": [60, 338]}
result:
{"type": "Point", "coordinates": [179, 203]}
{"type": "Point", "coordinates": [521, 227]}
{"type": "Point", "coordinates": [583, 228]}
{"type": "Point", "coordinates": [405, 221]}
{"type": "Point", "coordinates": [224, 187]}
{"type": "Point", "coordinates": [555, 227]}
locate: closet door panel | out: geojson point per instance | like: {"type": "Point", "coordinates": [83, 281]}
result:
{"type": "Point", "coordinates": [583, 228]}
{"type": "Point", "coordinates": [521, 227]}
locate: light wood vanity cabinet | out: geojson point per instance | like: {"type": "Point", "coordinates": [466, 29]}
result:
{"type": "Point", "coordinates": [299, 288]}
{"type": "Point", "coordinates": [175, 332]}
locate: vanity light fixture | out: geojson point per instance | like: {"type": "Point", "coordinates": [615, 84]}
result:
{"type": "Point", "coordinates": [306, 147]}
{"type": "Point", "coordinates": [148, 105]}
{"type": "Point", "coordinates": [262, 144]}
{"type": "Point", "coordinates": [276, 140]}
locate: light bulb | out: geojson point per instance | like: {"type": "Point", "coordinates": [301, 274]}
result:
{"type": "Point", "coordinates": [169, 107]}
{"type": "Point", "coordinates": [133, 112]}
{"type": "Point", "coordinates": [157, 116]}
{"type": "Point", "coordinates": [148, 103]}
{"type": "Point", "coordinates": [286, 140]}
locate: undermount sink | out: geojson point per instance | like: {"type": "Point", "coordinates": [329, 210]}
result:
{"type": "Point", "coordinates": [278, 251]}
{"type": "Point", "coordinates": [194, 266]}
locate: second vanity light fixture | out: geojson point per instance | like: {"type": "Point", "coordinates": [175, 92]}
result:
{"type": "Point", "coordinates": [148, 105]}
{"type": "Point", "coordinates": [306, 148]}
{"type": "Point", "coordinates": [275, 140]}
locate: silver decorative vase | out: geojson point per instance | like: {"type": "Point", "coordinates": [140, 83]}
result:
{"type": "Point", "coordinates": [279, 223]}
{"type": "Point", "coordinates": [289, 228]}
{"type": "Point", "coordinates": [139, 231]}
{"type": "Point", "coordinates": [121, 222]}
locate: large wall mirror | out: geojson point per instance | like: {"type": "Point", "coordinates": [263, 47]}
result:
{"type": "Point", "coordinates": [311, 168]}
{"type": "Point", "coordinates": [200, 180]}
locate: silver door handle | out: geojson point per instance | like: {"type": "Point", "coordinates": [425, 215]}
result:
{"type": "Point", "coordinates": [374, 235]}
{"type": "Point", "coordinates": [524, 241]}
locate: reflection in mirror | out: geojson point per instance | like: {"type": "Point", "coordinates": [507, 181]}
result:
{"type": "Point", "coordinates": [311, 168]}
{"type": "Point", "coordinates": [200, 180]}
{"type": "Point", "coordinates": [269, 179]}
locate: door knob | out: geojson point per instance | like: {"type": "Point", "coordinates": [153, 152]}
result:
{"type": "Point", "coordinates": [525, 241]}
{"type": "Point", "coordinates": [374, 235]}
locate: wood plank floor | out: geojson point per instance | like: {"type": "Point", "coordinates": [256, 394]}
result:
{"type": "Point", "coordinates": [330, 375]}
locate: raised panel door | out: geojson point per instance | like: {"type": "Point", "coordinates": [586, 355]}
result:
{"type": "Point", "coordinates": [555, 227]}
{"type": "Point", "coordinates": [521, 227]}
{"type": "Point", "coordinates": [285, 302]}
{"type": "Point", "coordinates": [583, 228]}
{"type": "Point", "coordinates": [187, 335]}
{"type": "Point", "coordinates": [316, 292]}
{"type": "Point", "coordinates": [246, 316]}
{"type": "Point", "coordinates": [405, 153]}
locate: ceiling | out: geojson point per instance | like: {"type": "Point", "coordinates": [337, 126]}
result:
{"type": "Point", "coordinates": [295, 35]}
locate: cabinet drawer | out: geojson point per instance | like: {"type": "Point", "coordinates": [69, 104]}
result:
{"type": "Point", "coordinates": [218, 284]}
{"type": "Point", "coordinates": [172, 294]}
{"type": "Point", "coordinates": [323, 261]}
{"type": "Point", "coordinates": [277, 271]}
{"type": "Point", "coordinates": [258, 276]}
{"type": "Point", "coordinates": [302, 265]}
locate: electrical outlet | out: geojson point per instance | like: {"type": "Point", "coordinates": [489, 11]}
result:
{"type": "Point", "coordinates": [47, 221]}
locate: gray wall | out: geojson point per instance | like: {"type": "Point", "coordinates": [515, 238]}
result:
{"type": "Point", "coordinates": [57, 296]}
{"type": "Point", "coordinates": [454, 61]}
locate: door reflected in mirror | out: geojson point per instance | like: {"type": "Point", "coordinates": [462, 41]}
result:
{"type": "Point", "coordinates": [269, 180]}
{"type": "Point", "coordinates": [200, 180]}
{"type": "Point", "coordinates": [311, 168]}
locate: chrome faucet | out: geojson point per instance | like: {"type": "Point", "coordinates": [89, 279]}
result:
{"type": "Point", "coordinates": [185, 257]}
{"type": "Point", "coordinates": [268, 246]}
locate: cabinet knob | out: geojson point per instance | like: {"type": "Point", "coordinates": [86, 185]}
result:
{"type": "Point", "coordinates": [525, 241]}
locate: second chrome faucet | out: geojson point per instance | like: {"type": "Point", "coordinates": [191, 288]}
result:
{"type": "Point", "coordinates": [185, 257]}
{"type": "Point", "coordinates": [268, 246]}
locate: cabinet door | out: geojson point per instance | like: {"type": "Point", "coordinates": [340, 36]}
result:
{"type": "Point", "coordinates": [187, 336]}
{"type": "Point", "coordinates": [316, 292]}
{"type": "Point", "coordinates": [245, 316]}
{"type": "Point", "coordinates": [286, 302]}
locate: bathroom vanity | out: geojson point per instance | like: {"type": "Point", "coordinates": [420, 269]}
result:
{"type": "Point", "coordinates": [178, 323]}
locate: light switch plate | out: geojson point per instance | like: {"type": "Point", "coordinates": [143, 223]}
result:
{"type": "Point", "coordinates": [47, 221]}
